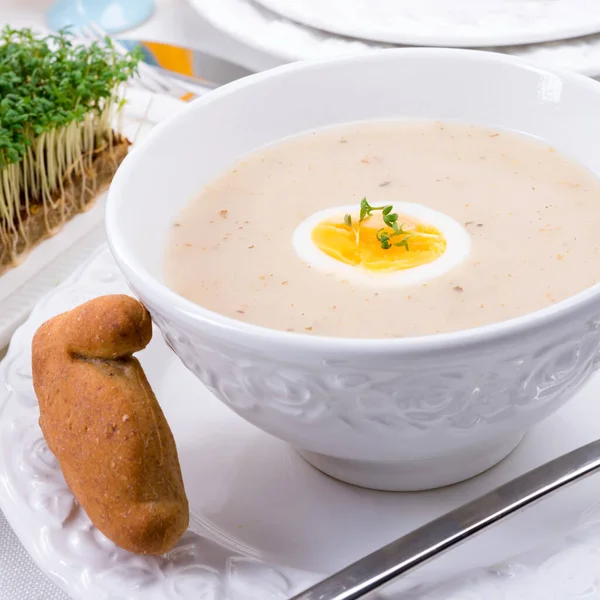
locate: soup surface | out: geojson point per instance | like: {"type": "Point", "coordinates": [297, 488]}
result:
{"type": "Point", "coordinates": [493, 225]}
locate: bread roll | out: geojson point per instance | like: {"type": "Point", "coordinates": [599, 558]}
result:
{"type": "Point", "coordinates": [103, 423]}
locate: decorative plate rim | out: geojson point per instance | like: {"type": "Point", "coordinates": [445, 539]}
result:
{"type": "Point", "coordinates": [265, 31]}
{"type": "Point", "coordinates": [462, 36]}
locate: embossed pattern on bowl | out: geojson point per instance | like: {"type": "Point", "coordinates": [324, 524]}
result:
{"type": "Point", "coordinates": [399, 414]}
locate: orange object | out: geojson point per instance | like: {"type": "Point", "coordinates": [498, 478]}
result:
{"type": "Point", "coordinates": [172, 58]}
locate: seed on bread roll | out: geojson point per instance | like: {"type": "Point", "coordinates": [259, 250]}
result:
{"type": "Point", "coordinates": [100, 418]}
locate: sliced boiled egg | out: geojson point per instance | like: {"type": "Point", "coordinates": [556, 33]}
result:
{"type": "Point", "coordinates": [425, 244]}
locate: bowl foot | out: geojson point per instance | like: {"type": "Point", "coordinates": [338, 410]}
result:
{"type": "Point", "coordinates": [412, 476]}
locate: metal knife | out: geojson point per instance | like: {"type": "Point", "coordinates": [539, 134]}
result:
{"type": "Point", "coordinates": [362, 578]}
{"type": "Point", "coordinates": [195, 66]}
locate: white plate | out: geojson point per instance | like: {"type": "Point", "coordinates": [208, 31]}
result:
{"type": "Point", "coordinates": [461, 23]}
{"type": "Point", "coordinates": [264, 523]}
{"type": "Point", "coordinates": [56, 258]}
{"type": "Point", "coordinates": [288, 41]}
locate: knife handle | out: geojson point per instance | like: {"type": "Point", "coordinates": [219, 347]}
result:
{"type": "Point", "coordinates": [407, 553]}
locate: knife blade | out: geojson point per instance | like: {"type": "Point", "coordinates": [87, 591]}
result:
{"type": "Point", "coordinates": [192, 65]}
{"type": "Point", "coordinates": [362, 578]}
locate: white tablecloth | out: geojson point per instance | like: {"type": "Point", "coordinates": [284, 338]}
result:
{"type": "Point", "coordinates": [174, 22]}
{"type": "Point", "coordinates": [20, 579]}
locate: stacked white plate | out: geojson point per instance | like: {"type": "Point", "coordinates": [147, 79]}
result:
{"type": "Point", "coordinates": [553, 33]}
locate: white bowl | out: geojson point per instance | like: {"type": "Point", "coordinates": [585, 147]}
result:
{"type": "Point", "coordinates": [401, 414]}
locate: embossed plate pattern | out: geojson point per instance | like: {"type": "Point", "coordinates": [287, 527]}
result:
{"type": "Point", "coordinates": [460, 23]}
{"type": "Point", "coordinates": [264, 523]}
{"type": "Point", "coordinates": [288, 41]}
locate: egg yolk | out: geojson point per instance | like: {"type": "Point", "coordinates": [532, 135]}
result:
{"type": "Point", "coordinates": [360, 245]}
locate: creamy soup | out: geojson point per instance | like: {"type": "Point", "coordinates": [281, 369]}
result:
{"type": "Point", "coordinates": [469, 226]}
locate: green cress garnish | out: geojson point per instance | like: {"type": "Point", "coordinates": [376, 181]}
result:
{"type": "Point", "coordinates": [389, 218]}
{"type": "Point", "coordinates": [58, 102]}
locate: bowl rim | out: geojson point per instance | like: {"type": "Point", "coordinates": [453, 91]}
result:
{"type": "Point", "coordinates": [196, 315]}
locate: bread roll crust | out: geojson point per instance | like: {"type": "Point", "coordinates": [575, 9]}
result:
{"type": "Point", "coordinates": [102, 421]}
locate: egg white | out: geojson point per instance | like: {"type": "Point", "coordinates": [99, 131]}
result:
{"type": "Point", "coordinates": [458, 247]}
